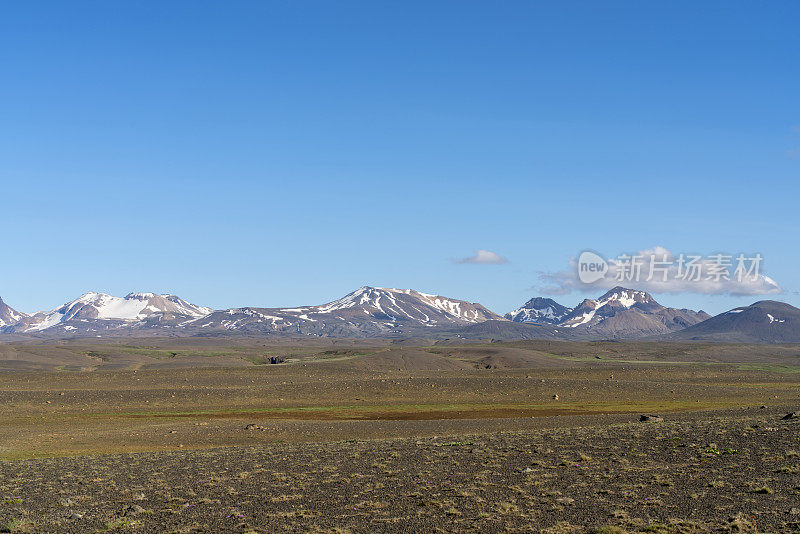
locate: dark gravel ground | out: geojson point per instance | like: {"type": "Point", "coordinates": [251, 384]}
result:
{"type": "Point", "coordinates": [707, 471]}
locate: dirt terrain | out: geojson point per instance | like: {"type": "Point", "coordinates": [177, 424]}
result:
{"type": "Point", "coordinates": [238, 436]}
{"type": "Point", "coordinates": [730, 472]}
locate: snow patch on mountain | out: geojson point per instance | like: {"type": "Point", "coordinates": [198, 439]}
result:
{"type": "Point", "coordinates": [617, 298]}
{"type": "Point", "coordinates": [100, 306]}
{"type": "Point", "coordinates": [774, 320]}
{"type": "Point", "coordinates": [539, 310]}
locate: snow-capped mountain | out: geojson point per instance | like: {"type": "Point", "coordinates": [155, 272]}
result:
{"type": "Point", "coordinates": [374, 312]}
{"type": "Point", "coordinates": [367, 311]}
{"type": "Point", "coordinates": [626, 313]}
{"type": "Point", "coordinates": [539, 310]}
{"type": "Point", "coordinates": [8, 315]}
{"type": "Point", "coordinates": [766, 321]}
{"type": "Point", "coordinates": [591, 312]}
{"type": "Point", "coordinates": [98, 311]}
{"type": "Point", "coordinates": [620, 314]}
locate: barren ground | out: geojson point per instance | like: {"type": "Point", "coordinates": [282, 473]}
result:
{"type": "Point", "coordinates": [367, 438]}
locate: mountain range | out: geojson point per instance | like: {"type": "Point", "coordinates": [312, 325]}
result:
{"type": "Point", "coordinates": [367, 312]}
{"type": "Point", "coordinates": [619, 314]}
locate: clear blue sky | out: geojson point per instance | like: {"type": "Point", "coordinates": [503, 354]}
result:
{"type": "Point", "coordinates": [284, 153]}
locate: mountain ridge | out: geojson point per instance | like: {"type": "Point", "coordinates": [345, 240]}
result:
{"type": "Point", "coordinates": [368, 311]}
{"type": "Point", "coordinates": [623, 313]}
{"type": "Point", "coordinates": [91, 307]}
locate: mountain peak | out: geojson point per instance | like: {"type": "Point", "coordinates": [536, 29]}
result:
{"type": "Point", "coordinates": [626, 297]}
{"type": "Point", "coordinates": [539, 310]}
{"type": "Point", "coordinates": [402, 303]}
{"type": "Point", "coordinates": [540, 302]}
{"type": "Point", "coordinates": [8, 315]}
{"type": "Point", "coordinates": [142, 296]}
{"type": "Point", "coordinates": [89, 296]}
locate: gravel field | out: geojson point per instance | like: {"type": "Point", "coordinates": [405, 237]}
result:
{"type": "Point", "coordinates": [737, 470]}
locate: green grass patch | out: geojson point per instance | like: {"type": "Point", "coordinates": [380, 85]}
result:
{"type": "Point", "coordinates": [445, 411]}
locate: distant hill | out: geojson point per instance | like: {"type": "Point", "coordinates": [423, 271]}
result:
{"type": "Point", "coordinates": [766, 321]}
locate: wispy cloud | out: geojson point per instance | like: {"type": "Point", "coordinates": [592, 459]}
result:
{"type": "Point", "coordinates": [483, 257]}
{"type": "Point", "coordinates": [666, 277]}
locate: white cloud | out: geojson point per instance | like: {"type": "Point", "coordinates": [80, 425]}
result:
{"type": "Point", "coordinates": [483, 257]}
{"type": "Point", "coordinates": [660, 271]}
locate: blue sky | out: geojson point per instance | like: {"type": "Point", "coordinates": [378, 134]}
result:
{"type": "Point", "coordinates": [285, 153]}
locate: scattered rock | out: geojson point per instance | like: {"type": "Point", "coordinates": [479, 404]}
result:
{"type": "Point", "coordinates": [794, 511]}
{"type": "Point", "coordinates": [76, 515]}
{"type": "Point", "coordinates": [762, 407]}
{"type": "Point", "coordinates": [790, 415]}
{"type": "Point", "coordinates": [565, 500]}
{"type": "Point", "coordinates": [650, 418]}
{"type": "Point", "coordinates": [555, 397]}
{"type": "Point", "coordinates": [133, 509]}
